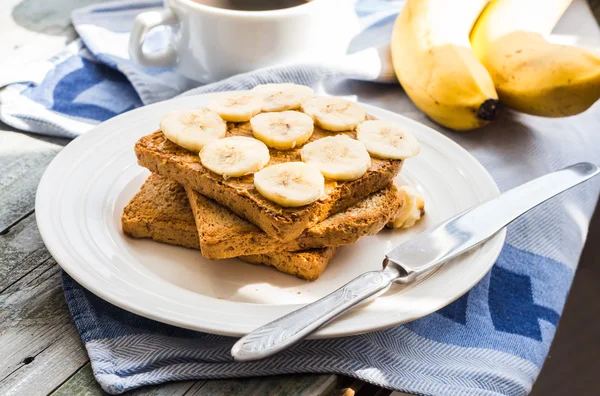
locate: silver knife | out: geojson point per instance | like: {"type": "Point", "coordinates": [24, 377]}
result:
{"type": "Point", "coordinates": [411, 260]}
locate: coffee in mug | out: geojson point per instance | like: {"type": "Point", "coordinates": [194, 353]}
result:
{"type": "Point", "coordinates": [252, 5]}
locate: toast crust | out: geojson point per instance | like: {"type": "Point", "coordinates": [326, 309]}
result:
{"type": "Point", "coordinates": [223, 234]}
{"type": "Point", "coordinates": [160, 211]}
{"type": "Point", "coordinates": [161, 156]}
{"type": "Point", "coordinates": [308, 264]}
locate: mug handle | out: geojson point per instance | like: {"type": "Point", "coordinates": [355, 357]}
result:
{"type": "Point", "coordinates": [143, 23]}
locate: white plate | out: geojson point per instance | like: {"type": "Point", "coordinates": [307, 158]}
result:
{"type": "Point", "coordinates": [84, 190]}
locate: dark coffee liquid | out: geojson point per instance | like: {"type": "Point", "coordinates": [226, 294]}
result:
{"type": "Point", "coordinates": [252, 5]}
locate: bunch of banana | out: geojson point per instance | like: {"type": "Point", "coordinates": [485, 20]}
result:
{"type": "Point", "coordinates": [532, 75]}
{"type": "Point", "coordinates": [455, 60]}
{"type": "Point", "coordinates": [434, 62]}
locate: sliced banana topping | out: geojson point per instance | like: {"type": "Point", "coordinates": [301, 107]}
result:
{"type": "Point", "coordinates": [386, 140]}
{"type": "Point", "coordinates": [290, 184]}
{"type": "Point", "coordinates": [337, 157]}
{"type": "Point", "coordinates": [279, 97]}
{"type": "Point", "coordinates": [192, 129]}
{"type": "Point", "coordinates": [334, 114]}
{"type": "Point", "coordinates": [412, 208]}
{"type": "Point", "coordinates": [235, 156]}
{"type": "Point", "coordinates": [237, 107]}
{"type": "Point", "coordinates": [283, 130]}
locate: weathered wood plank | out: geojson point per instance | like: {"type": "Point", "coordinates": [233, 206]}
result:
{"type": "Point", "coordinates": [301, 385]}
{"type": "Point", "coordinates": [83, 383]}
{"type": "Point", "coordinates": [21, 251]}
{"type": "Point", "coordinates": [38, 357]}
{"type": "Point", "coordinates": [39, 345]}
{"type": "Point", "coordinates": [23, 159]}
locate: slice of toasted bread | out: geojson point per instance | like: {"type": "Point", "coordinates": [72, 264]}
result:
{"type": "Point", "coordinates": [224, 234]}
{"type": "Point", "coordinates": [160, 211]}
{"type": "Point", "coordinates": [238, 194]}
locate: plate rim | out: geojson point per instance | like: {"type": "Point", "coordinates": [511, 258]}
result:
{"type": "Point", "coordinates": [43, 215]}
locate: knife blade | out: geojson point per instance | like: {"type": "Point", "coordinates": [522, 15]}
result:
{"type": "Point", "coordinates": [411, 260]}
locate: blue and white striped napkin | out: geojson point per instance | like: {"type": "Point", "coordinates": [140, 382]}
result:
{"type": "Point", "coordinates": [491, 341]}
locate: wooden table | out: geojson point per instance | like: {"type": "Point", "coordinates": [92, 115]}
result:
{"type": "Point", "coordinates": [40, 350]}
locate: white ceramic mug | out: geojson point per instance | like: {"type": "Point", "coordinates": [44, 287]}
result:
{"type": "Point", "coordinates": [209, 44]}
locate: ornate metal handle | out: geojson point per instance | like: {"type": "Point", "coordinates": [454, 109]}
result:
{"type": "Point", "coordinates": [291, 328]}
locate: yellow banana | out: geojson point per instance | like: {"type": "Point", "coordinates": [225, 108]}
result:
{"type": "Point", "coordinates": [434, 62]}
{"type": "Point", "coordinates": [530, 74]}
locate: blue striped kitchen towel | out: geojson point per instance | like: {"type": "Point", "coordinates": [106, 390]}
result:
{"type": "Point", "coordinates": [491, 341]}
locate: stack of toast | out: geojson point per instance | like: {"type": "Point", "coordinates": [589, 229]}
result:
{"type": "Point", "coordinates": [184, 203]}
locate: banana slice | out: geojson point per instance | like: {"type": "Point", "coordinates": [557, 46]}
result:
{"type": "Point", "coordinates": [235, 156]}
{"type": "Point", "coordinates": [337, 157]}
{"type": "Point", "coordinates": [411, 210]}
{"type": "Point", "coordinates": [386, 140]}
{"type": "Point", "coordinates": [290, 184]}
{"type": "Point", "coordinates": [192, 129]}
{"type": "Point", "coordinates": [279, 97]}
{"type": "Point", "coordinates": [283, 130]}
{"type": "Point", "coordinates": [334, 114]}
{"type": "Point", "coordinates": [237, 107]}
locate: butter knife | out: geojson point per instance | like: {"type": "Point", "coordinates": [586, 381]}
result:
{"type": "Point", "coordinates": [411, 260]}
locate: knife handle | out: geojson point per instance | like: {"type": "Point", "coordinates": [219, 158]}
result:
{"type": "Point", "coordinates": [293, 327]}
